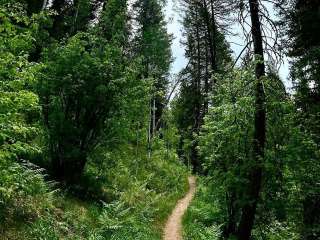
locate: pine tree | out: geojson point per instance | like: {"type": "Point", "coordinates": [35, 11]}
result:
{"type": "Point", "coordinates": [301, 22]}
{"type": "Point", "coordinates": [208, 54]}
{"type": "Point", "coordinates": [153, 44]}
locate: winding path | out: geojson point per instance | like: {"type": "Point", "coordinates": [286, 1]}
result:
{"type": "Point", "coordinates": [173, 228]}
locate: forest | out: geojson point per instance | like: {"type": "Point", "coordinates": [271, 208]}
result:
{"type": "Point", "coordinates": [100, 140]}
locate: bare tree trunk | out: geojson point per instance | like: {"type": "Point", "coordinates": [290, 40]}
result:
{"type": "Point", "coordinates": [198, 83]}
{"type": "Point", "coordinates": [214, 33]}
{"type": "Point", "coordinates": [153, 116]}
{"type": "Point", "coordinates": [197, 107]}
{"type": "Point", "coordinates": [150, 129]}
{"type": "Point", "coordinates": [255, 171]}
{"type": "Point", "coordinates": [206, 81]}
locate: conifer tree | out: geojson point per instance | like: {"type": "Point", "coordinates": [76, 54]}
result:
{"type": "Point", "coordinates": [153, 44]}
{"type": "Point", "coordinates": [301, 22]}
{"type": "Point", "coordinates": [208, 53]}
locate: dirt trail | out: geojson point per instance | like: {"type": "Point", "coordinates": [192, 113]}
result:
{"type": "Point", "coordinates": [173, 228]}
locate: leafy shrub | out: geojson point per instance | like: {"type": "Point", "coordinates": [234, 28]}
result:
{"type": "Point", "coordinates": [24, 195]}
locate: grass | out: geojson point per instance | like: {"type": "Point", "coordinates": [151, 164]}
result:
{"type": "Point", "coordinates": [200, 220]}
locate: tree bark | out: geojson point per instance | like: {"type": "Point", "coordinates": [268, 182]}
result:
{"type": "Point", "coordinates": [68, 169]}
{"type": "Point", "coordinates": [231, 223]}
{"type": "Point", "coordinates": [214, 42]}
{"type": "Point", "coordinates": [255, 171]}
{"type": "Point", "coordinates": [210, 22]}
{"type": "Point", "coordinates": [197, 107]}
{"type": "Point", "coordinates": [311, 217]}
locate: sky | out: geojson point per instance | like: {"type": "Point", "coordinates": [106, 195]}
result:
{"type": "Point", "coordinates": [173, 17]}
{"type": "Point", "coordinates": [175, 28]}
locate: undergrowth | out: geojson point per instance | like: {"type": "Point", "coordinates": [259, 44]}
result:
{"type": "Point", "coordinates": [200, 222]}
{"type": "Point", "coordinates": [205, 218]}
{"type": "Point", "coordinates": [126, 196]}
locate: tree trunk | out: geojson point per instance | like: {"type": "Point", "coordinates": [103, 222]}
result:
{"type": "Point", "coordinates": [206, 82]}
{"type": "Point", "coordinates": [210, 30]}
{"type": "Point", "coordinates": [255, 171]}
{"type": "Point", "coordinates": [214, 33]}
{"type": "Point", "coordinates": [67, 166]}
{"type": "Point", "coordinates": [197, 107]}
{"type": "Point", "coordinates": [231, 225]}
{"type": "Point", "coordinates": [68, 170]}
{"type": "Point", "coordinates": [58, 28]}
{"type": "Point", "coordinates": [311, 217]}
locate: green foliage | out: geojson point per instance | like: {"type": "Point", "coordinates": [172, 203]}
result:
{"type": "Point", "coordinates": [23, 191]}
{"type": "Point", "coordinates": [140, 193]}
{"type": "Point", "coordinates": [82, 85]}
{"type": "Point", "coordinates": [226, 135]}
{"type": "Point", "coordinates": [300, 21]}
{"type": "Point", "coordinates": [203, 217]}
{"type": "Point", "coordinates": [225, 143]}
{"type": "Point", "coordinates": [113, 25]}
{"type": "Point", "coordinates": [82, 99]}
{"type": "Point", "coordinates": [208, 53]}
{"type": "Point", "coordinates": [153, 41]}
{"type": "Point", "coordinates": [19, 109]}
{"type": "Point", "coordinates": [24, 195]}
{"type": "Point", "coordinates": [152, 44]}
{"type": "Point", "coordinates": [138, 200]}
{"type": "Point", "coordinates": [93, 104]}
{"type": "Point", "coordinates": [140, 187]}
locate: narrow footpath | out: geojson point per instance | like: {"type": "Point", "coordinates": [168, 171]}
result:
{"type": "Point", "coordinates": [173, 228]}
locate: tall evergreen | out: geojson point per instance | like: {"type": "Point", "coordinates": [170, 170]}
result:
{"type": "Point", "coordinates": [301, 20]}
{"type": "Point", "coordinates": [208, 53]}
{"type": "Point", "coordinates": [153, 44]}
